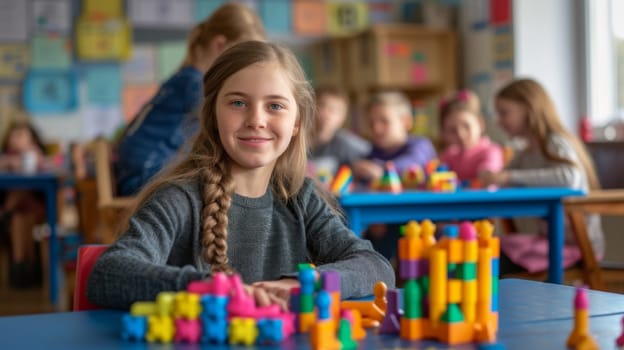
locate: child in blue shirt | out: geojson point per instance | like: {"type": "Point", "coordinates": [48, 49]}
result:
{"type": "Point", "coordinates": [166, 122]}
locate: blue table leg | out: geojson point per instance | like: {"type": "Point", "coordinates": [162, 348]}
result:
{"type": "Point", "coordinates": [555, 243]}
{"type": "Point", "coordinates": [50, 192]}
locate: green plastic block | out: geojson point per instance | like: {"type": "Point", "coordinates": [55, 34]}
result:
{"type": "Point", "coordinates": [494, 286]}
{"type": "Point", "coordinates": [453, 314]}
{"type": "Point", "coordinates": [467, 271]}
{"type": "Point", "coordinates": [303, 266]}
{"type": "Point", "coordinates": [412, 300]}
{"type": "Point", "coordinates": [345, 337]}
{"type": "Point", "coordinates": [306, 303]}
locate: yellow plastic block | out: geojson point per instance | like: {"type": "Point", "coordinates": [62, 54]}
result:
{"type": "Point", "coordinates": [243, 330]}
{"type": "Point", "coordinates": [143, 308]}
{"type": "Point", "coordinates": [306, 320]}
{"type": "Point", "coordinates": [164, 303]}
{"type": "Point", "coordinates": [187, 306]}
{"type": "Point", "coordinates": [454, 291]}
{"type": "Point", "coordinates": [455, 251]}
{"type": "Point", "coordinates": [471, 251]}
{"type": "Point", "coordinates": [160, 328]}
{"type": "Point", "coordinates": [469, 300]}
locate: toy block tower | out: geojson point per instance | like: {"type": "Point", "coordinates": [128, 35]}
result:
{"type": "Point", "coordinates": [342, 181]}
{"type": "Point", "coordinates": [451, 284]}
{"type": "Point", "coordinates": [389, 181]}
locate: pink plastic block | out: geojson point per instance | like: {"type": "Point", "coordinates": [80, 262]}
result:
{"type": "Point", "coordinates": [219, 284]}
{"type": "Point", "coordinates": [200, 287]}
{"type": "Point", "coordinates": [187, 330]}
{"type": "Point", "coordinates": [331, 281]}
{"type": "Point", "coordinates": [348, 315]}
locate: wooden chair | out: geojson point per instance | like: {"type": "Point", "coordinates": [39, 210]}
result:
{"type": "Point", "coordinates": [87, 256]}
{"type": "Point", "coordinates": [110, 207]}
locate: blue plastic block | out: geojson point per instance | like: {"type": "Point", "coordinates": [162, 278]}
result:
{"type": "Point", "coordinates": [306, 279]}
{"type": "Point", "coordinates": [323, 301]}
{"type": "Point", "coordinates": [270, 331]}
{"type": "Point", "coordinates": [214, 331]}
{"type": "Point", "coordinates": [133, 327]}
{"type": "Point", "coordinates": [495, 268]}
{"type": "Point", "coordinates": [214, 307]}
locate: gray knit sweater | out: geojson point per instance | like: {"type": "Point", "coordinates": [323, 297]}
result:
{"type": "Point", "coordinates": [266, 240]}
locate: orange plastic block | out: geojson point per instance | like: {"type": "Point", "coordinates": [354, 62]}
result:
{"type": "Point", "coordinates": [455, 333]}
{"type": "Point", "coordinates": [413, 329]}
{"type": "Point", "coordinates": [306, 321]}
{"type": "Point", "coordinates": [410, 248]}
{"type": "Point", "coordinates": [335, 306]}
{"type": "Point", "coordinates": [455, 251]}
{"type": "Point", "coordinates": [357, 330]}
{"type": "Point", "coordinates": [323, 336]}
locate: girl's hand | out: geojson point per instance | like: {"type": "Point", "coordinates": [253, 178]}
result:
{"type": "Point", "coordinates": [367, 170]}
{"type": "Point", "coordinates": [274, 292]}
{"type": "Point", "coordinates": [489, 178]}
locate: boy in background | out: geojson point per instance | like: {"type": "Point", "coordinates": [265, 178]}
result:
{"type": "Point", "coordinates": [333, 146]}
{"type": "Point", "coordinates": [389, 119]}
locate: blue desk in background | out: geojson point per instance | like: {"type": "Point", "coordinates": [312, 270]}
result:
{"type": "Point", "coordinates": [365, 208]}
{"type": "Point", "coordinates": [47, 183]}
{"type": "Point", "coordinates": [533, 315]}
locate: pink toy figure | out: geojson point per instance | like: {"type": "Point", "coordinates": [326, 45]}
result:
{"type": "Point", "coordinates": [217, 285]}
{"type": "Point", "coordinates": [187, 330]}
{"type": "Point", "coordinates": [620, 340]}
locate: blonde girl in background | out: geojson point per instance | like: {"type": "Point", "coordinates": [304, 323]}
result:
{"type": "Point", "coordinates": [468, 150]}
{"type": "Point", "coordinates": [553, 157]}
{"type": "Point", "coordinates": [239, 199]}
{"type": "Point", "coordinates": [169, 119]}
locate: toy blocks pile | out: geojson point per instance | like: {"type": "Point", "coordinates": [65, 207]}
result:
{"type": "Point", "coordinates": [451, 289]}
{"type": "Point", "coordinates": [317, 306]}
{"type": "Point", "coordinates": [215, 311]}
{"type": "Point", "coordinates": [342, 182]}
{"type": "Point", "coordinates": [434, 177]}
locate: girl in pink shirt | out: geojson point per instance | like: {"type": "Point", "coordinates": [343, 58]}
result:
{"type": "Point", "coordinates": [468, 150]}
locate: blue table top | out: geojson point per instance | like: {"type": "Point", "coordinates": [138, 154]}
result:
{"type": "Point", "coordinates": [532, 315]}
{"type": "Point", "coordinates": [364, 198]}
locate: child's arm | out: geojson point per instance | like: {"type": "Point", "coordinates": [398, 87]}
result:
{"type": "Point", "coordinates": [419, 151]}
{"type": "Point", "coordinates": [155, 254]}
{"type": "Point", "coordinates": [332, 246]}
{"type": "Point", "coordinates": [492, 159]}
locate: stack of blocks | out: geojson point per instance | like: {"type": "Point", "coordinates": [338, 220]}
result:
{"type": "Point", "coordinates": [389, 181]}
{"type": "Point", "coordinates": [318, 308]}
{"type": "Point", "coordinates": [212, 311]}
{"type": "Point", "coordinates": [451, 289]}
{"type": "Point", "coordinates": [342, 182]}
{"type": "Point", "coordinates": [434, 177]}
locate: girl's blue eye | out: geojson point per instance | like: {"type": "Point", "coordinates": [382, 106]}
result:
{"type": "Point", "coordinates": [238, 103]}
{"type": "Point", "coordinates": [276, 106]}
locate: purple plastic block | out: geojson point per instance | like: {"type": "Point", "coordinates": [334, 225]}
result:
{"type": "Point", "coordinates": [331, 281]}
{"type": "Point", "coordinates": [409, 269]}
{"type": "Point", "coordinates": [391, 323]}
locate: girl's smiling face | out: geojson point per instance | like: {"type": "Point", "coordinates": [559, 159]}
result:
{"type": "Point", "coordinates": [256, 116]}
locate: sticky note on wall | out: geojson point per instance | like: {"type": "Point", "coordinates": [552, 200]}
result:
{"type": "Point", "coordinates": [50, 51]}
{"type": "Point", "coordinates": [103, 85]}
{"type": "Point", "coordinates": [13, 61]}
{"type": "Point", "coordinates": [276, 16]}
{"type": "Point", "coordinates": [170, 56]}
{"type": "Point", "coordinates": [346, 17]}
{"type": "Point", "coordinates": [50, 91]}
{"type": "Point", "coordinates": [309, 17]}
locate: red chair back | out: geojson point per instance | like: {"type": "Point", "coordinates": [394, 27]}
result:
{"type": "Point", "coordinates": [87, 256]}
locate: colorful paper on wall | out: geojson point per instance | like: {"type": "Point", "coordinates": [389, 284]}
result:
{"type": "Point", "coordinates": [10, 102]}
{"type": "Point", "coordinates": [50, 51]}
{"type": "Point", "coordinates": [419, 73]}
{"type": "Point", "coordinates": [204, 8]}
{"type": "Point", "coordinates": [276, 16]}
{"type": "Point", "coordinates": [102, 9]}
{"type": "Point", "coordinates": [309, 17]}
{"type": "Point", "coordinates": [500, 12]}
{"type": "Point", "coordinates": [141, 67]}
{"type": "Point", "coordinates": [135, 97]}
{"type": "Point", "coordinates": [13, 61]}
{"type": "Point", "coordinates": [108, 39]}
{"type": "Point", "coordinates": [103, 85]}
{"type": "Point", "coordinates": [502, 46]}
{"type": "Point", "coordinates": [50, 91]}
{"type": "Point", "coordinates": [381, 11]}
{"type": "Point", "coordinates": [14, 20]}
{"type": "Point", "coordinates": [477, 14]}
{"type": "Point", "coordinates": [51, 16]}
{"type": "Point", "coordinates": [161, 13]}
{"type": "Point", "coordinates": [346, 17]}
{"type": "Point", "coordinates": [170, 56]}
{"type": "Point", "coordinates": [101, 121]}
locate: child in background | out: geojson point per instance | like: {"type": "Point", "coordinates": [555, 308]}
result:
{"type": "Point", "coordinates": [166, 122]}
{"type": "Point", "coordinates": [22, 209]}
{"type": "Point", "coordinates": [389, 118]}
{"type": "Point", "coordinates": [552, 157]}
{"type": "Point", "coordinates": [468, 149]}
{"type": "Point", "coordinates": [239, 199]}
{"type": "Point", "coordinates": [333, 146]}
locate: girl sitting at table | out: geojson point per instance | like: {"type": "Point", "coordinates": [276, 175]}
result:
{"type": "Point", "coordinates": [552, 157]}
{"type": "Point", "coordinates": [22, 209]}
{"type": "Point", "coordinates": [468, 149]}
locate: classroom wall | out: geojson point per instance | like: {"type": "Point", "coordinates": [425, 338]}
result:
{"type": "Point", "coordinates": [548, 46]}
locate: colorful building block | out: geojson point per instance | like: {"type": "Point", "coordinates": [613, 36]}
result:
{"type": "Point", "coordinates": [188, 330]}
{"type": "Point", "coordinates": [345, 337]}
{"type": "Point", "coordinates": [270, 331]}
{"type": "Point", "coordinates": [187, 306]}
{"type": "Point", "coordinates": [391, 323]}
{"type": "Point", "coordinates": [243, 331]}
{"type": "Point", "coordinates": [580, 337]}
{"type": "Point", "coordinates": [214, 331]}
{"type": "Point", "coordinates": [160, 329]}
{"type": "Point", "coordinates": [133, 327]}
{"type": "Point", "coordinates": [342, 181]}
